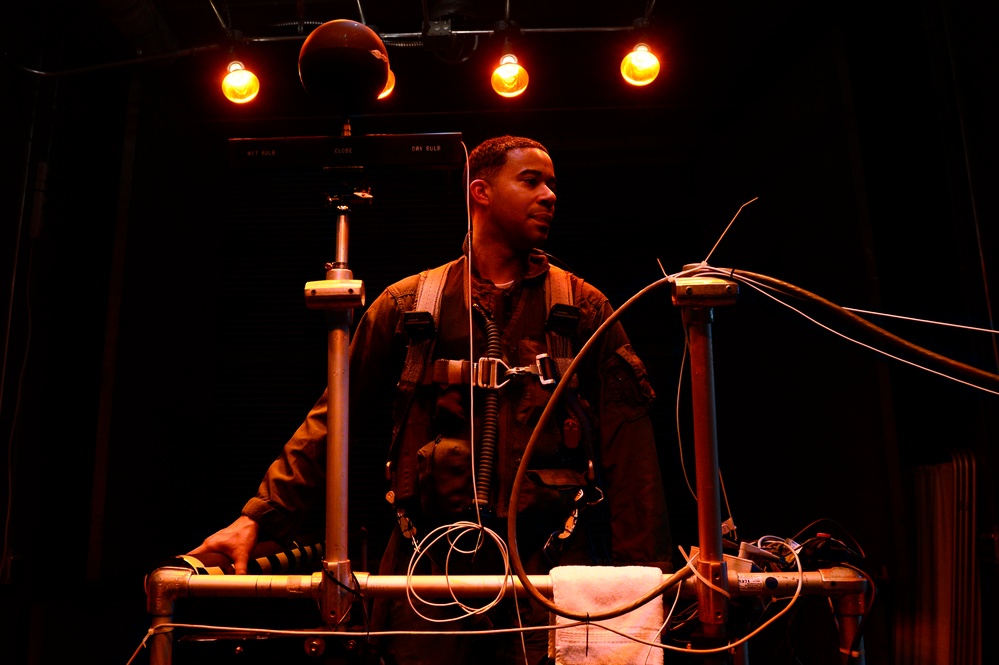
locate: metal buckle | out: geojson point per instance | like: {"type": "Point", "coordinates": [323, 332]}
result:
{"type": "Point", "coordinates": [487, 373]}
{"type": "Point", "coordinates": [546, 369]}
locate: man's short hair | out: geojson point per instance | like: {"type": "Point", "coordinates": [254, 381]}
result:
{"type": "Point", "coordinates": [489, 156]}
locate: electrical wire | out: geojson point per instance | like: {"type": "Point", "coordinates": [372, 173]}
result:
{"type": "Point", "coordinates": [732, 221]}
{"type": "Point", "coordinates": [278, 632]}
{"type": "Point", "coordinates": [792, 600]}
{"type": "Point", "coordinates": [765, 285]}
{"type": "Point", "coordinates": [679, 438]}
{"type": "Point", "coordinates": [956, 371]}
{"type": "Point", "coordinates": [679, 434]}
{"type": "Point", "coordinates": [467, 286]}
{"type": "Point", "coordinates": [666, 619]}
{"type": "Point", "coordinates": [679, 392]}
{"type": "Point", "coordinates": [525, 459]}
{"type": "Point", "coordinates": [453, 533]}
{"type": "Point", "coordinates": [857, 310]}
{"type": "Point", "coordinates": [826, 520]}
{"type": "Point", "coordinates": [855, 548]}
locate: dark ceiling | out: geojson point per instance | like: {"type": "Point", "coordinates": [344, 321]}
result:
{"type": "Point", "coordinates": [714, 53]}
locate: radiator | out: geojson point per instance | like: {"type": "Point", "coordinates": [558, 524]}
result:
{"type": "Point", "coordinates": [945, 625]}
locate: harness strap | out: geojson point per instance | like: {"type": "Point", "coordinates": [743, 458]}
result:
{"type": "Point", "coordinates": [559, 287]}
{"type": "Point", "coordinates": [428, 299]}
{"type": "Point", "coordinates": [561, 324]}
{"type": "Point", "coordinates": [563, 315]}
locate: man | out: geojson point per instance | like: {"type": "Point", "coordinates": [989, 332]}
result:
{"type": "Point", "coordinates": [594, 493]}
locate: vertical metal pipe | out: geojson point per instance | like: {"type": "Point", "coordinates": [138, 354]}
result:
{"type": "Point", "coordinates": [163, 586]}
{"type": "Point", "coordinates": [338, 341]}
{"type": "Point", "coordinates": [160, 643]}
{"type": "Point", "coordinates": [337, 411]}
{"type": "Point", "coordinates": [336, 600]}
{"type": "Point", "coordinates": [342, 237]}
{"type": "Point", "coordinates": [712, 604]}
{"type": "Point", "coordinates": [849, 613]}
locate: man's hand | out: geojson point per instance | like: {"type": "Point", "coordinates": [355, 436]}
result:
{"type": "Point", "coordinates": [235, 541]}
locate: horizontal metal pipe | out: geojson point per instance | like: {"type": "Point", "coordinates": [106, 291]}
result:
{"type": "Point", "coordinates": [824, 582]}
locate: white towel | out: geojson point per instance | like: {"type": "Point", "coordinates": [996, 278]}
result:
{"type": "Point", "coordinates": [598, 589]}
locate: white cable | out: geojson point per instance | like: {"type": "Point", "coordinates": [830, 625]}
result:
{"type": "Point", "coordinates": [467, 293]}
{"type": "Point", "coordinates": [448, 532]}
{"type": "Point", "coordinates": [857, 310]}
{"type": "Point", "coordinates": [764, 290]}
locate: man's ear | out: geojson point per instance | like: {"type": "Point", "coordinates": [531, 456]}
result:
{"type": "Point", "coordinates": [479, 191]}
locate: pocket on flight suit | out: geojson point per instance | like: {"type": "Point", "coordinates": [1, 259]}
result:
{"type": "Point", "coordinates": [444, 468]}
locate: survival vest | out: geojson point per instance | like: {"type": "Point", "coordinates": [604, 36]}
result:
{"type": "Point", "coordinates": [421, 326]}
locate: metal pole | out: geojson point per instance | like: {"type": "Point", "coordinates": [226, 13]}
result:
{"type": "Point", "coordinates": [337, 411]}
{"type": "Point", "coordinates": [339, 294]}
{"type": "Point", "coordinates": [712, 604]}
{"type": "Point", "coordinates": [697, 296]}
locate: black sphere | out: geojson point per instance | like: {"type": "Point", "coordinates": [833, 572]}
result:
{"type": "Point", "coordinates": [344, 64]}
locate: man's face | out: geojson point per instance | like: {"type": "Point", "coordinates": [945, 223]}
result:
{"type": "Point", "coordinates": [522, 198]}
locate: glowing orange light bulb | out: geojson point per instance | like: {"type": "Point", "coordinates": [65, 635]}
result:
{"type": "Point", "coordinates": [240, 85]}
{"type": "Point", "coordinates": [640, 67]}
{"type": "Point", "coordinates": [509, 79]}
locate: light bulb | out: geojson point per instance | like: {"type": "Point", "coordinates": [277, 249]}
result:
{"type": "Point", "coordinates": [509, 79]}
{"type": "Point", "coordinates": [640, 67]}
{"type": "Point", "coordinates": [389, 85]}
{"type": "Point", "coordinates": [240, 85]}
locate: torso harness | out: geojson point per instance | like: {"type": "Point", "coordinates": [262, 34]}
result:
{"type": "Point", "coordinates": [490, 372]}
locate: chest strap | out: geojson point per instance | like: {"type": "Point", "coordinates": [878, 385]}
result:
{"type": "Point", "coordinates": [491, 373]}
{"type": "Point", "coordinates": [422, 321]}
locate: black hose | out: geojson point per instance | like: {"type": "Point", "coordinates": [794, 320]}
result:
{"type": "Point", "coordinates": [968, 373]}
{"type": "Point", "coordinates": [490, 429]}
{"type": "Point", "coordinates": [518, 481]}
